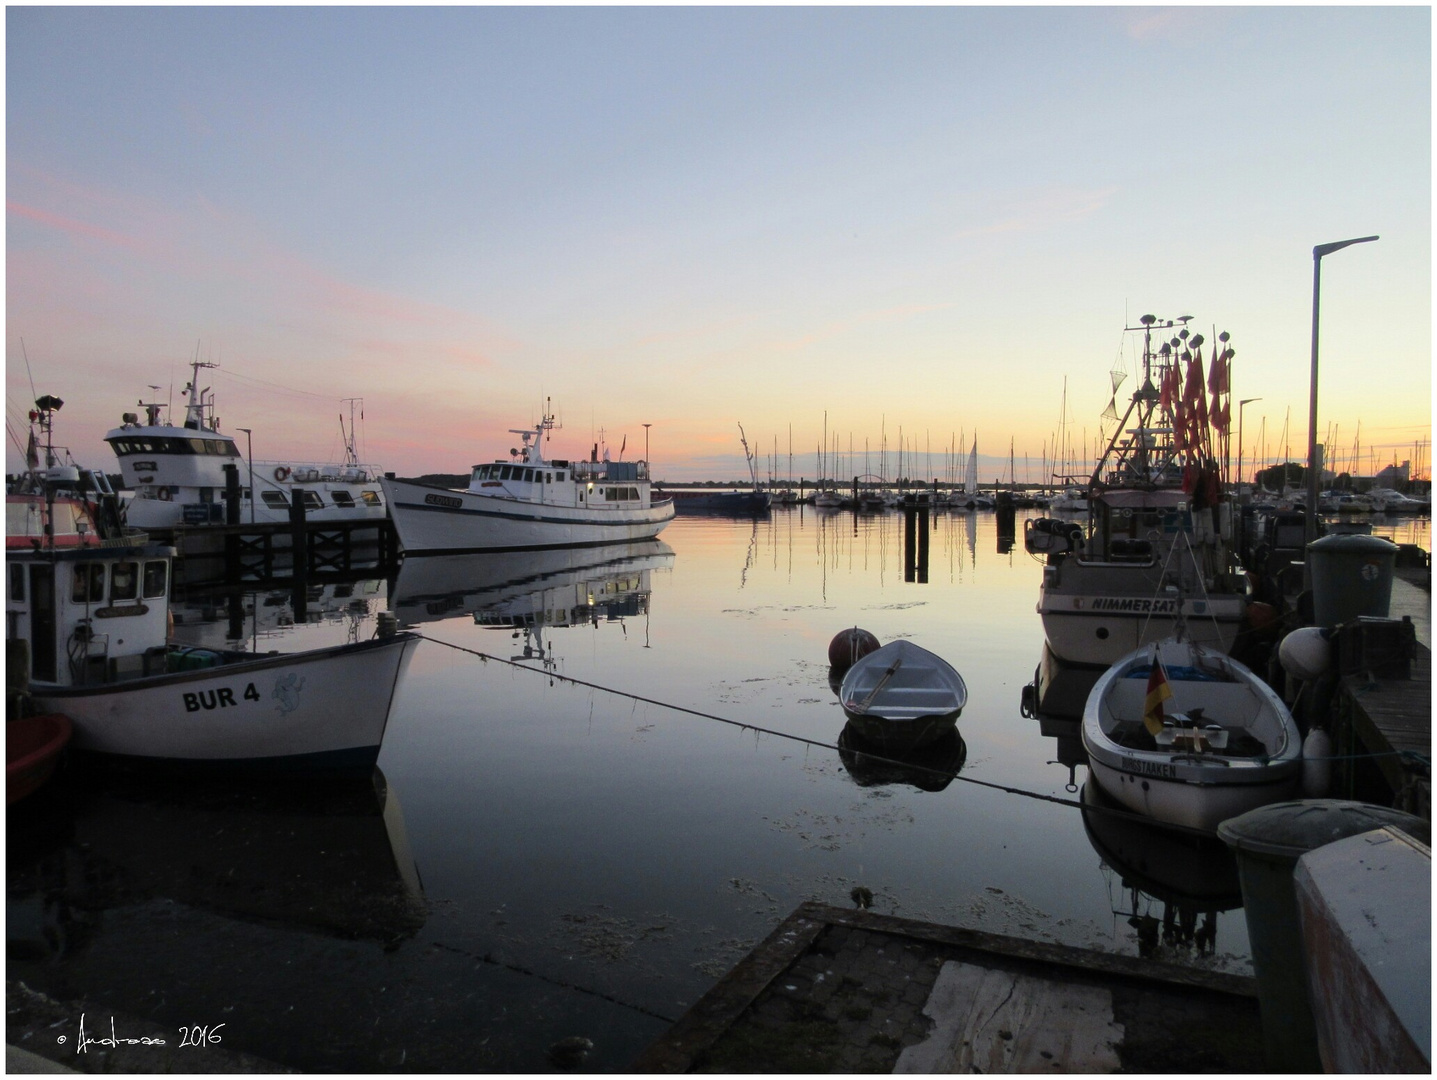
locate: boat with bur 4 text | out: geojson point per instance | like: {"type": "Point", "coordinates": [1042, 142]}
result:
{"type": "Point", "coordinates": [89, 622]}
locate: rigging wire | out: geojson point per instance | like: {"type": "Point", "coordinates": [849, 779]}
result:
{"type": "Point", "coordinates": [817, 744]}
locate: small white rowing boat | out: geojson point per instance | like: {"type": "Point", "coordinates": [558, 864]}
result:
{"type": "Point", "coordinates": [1192, 741]}
{"type": "Point", "coordinates": [902, 695]}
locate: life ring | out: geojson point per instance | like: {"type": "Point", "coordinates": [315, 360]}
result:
{"type": "Point", "coordinates": [281, 473]}
{"type": "Point", "coordinates": [163, 494]}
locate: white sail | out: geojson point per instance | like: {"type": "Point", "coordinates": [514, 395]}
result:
{"type": "Point", "coordinates": [970, 482]}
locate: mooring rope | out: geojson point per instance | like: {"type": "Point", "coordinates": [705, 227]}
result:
{"type": "Point", "coordinates": [819, 745]}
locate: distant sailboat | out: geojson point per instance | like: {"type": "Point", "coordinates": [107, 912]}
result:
{"type": "Point", "coordinates": [974, 501]}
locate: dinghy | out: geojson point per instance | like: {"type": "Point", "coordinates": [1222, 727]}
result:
{"type": "Point", "coordinates": [902, 696]}
{"type": "Point", "coordinates": [1185, 734]}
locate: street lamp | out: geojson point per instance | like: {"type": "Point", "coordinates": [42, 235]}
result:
{"type": "Point", "coordinates": [249, 456]}
{"type": "Point", "coordinates": [1241, 518]}
{"type": "Point", "coordinates": [1313, 467]}
{"type": "Point", "coordinates": [647, 470]}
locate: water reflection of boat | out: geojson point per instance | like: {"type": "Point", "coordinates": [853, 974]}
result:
{"type": "Point", "coordinates": [329, 857]}
{"type": "Point", "coordinates": [1176, 884]}
{"type": "Point", "coordinates": [558, 587]}
{"type": "Point", "coordinates": [928, 768]}
{"type": "Point", "coordinates": [227, 618]}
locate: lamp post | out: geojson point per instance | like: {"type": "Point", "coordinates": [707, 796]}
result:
{"type": "Point", "coordinates": [1241, 517]}
{"type": "Point", "coordinates": [249, 456]}
{"type": "Point", "coordinates": [1313, 466]}
{"type": "Point", "coordinates": [646, 450]}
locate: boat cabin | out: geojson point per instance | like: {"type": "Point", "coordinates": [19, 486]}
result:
{"type": "Point", "coordinates": [619, 484]}
{"type": "Point", "coordinates": [90, 614]}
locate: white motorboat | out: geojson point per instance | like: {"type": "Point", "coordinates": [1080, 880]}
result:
{"type": "Point", "coordinates": [93, 618]}
{"type": "Point", "coordinates": [902, 695]}
{"type": "Point", "coordinates": [1185, 734]}
{"type": "Point", "coordinates": [1159, 519]}
{"type": "Point", "coordinates": [178, 472]}
{"type": "Point", "coordinates": [530, 502]}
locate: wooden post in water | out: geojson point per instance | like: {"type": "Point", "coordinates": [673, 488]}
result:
{"type": "Point", "coordinates": [910, 543]}
{"type": "Point", "coordinates": [922, 567]}
{"type": "Point", "coordinates": [299, 554]}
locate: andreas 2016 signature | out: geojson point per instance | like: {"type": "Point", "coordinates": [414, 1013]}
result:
{"type": "Point", "coordinates": [191, 1035]}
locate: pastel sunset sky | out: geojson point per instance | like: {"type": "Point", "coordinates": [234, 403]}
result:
{"type": "Point", "coordinates": [922, 219]}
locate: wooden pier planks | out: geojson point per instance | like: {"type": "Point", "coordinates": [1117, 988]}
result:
{"type": "Point", "coordinates": [1388, 716]}
{"type": "Point", "coordinates": [837, 990]}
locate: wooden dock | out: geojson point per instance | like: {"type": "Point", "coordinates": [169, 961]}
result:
{"type": "Point", "coordinates": [1383, 726]}
{"type": "Point", "coordinates": [248, 553]}
{"type": "Point", "coordinates": [837, 990]}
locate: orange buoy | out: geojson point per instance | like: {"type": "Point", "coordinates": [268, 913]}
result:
{"type": "Point", "coordinates": [849, 646]}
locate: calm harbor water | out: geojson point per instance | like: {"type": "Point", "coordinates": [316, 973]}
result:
{"type": "Point", "coordinates": [542, 859]}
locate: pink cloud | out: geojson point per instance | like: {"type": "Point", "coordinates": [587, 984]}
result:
{"type": "Point", "coordinates": [73, 227]}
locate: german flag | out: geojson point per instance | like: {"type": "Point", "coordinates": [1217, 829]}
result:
{"type": "Point", "coordinates": [1158, 692]}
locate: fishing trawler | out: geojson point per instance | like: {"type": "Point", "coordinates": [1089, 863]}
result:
{"type": "Point", "coordinates": [87, 628]}
{"type": "Point", "coordinates": [530, 502]}
{"type": "Point", "coordinates": [178, 472]}
{"type": "Point", "coordinates": [1159, 521]}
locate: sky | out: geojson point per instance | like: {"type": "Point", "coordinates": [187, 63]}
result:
{"type": "Point", "coordinates": [934, 221]}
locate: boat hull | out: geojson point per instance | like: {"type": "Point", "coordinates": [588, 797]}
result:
{"type": "Point", "coordinates": [1097, 613]}
{"type": "Point", "coordinates": [901, 735]}
{"type": "Point", "coordinates": [33, 745]}
{"type": "Point", "coordinates": [431, 520]}
{"type": "Point", "coordinates": [326, 709]}
{"type": "Point", "coordinates": [1189, 803]}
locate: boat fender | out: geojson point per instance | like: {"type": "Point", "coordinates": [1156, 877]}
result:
{"type": "Point", "coordinates": [1316, 764]}
{"type": "Point", "coordinates": [1306, 653]}
{"type": "Point", "coordinates": [163, 494]}
{"type": "Point", "coordinates": [281, 473]}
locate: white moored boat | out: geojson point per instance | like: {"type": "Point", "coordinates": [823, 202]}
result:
{"type": "Point", "coordinates": [530, 502]}
{"type": "Point", "coordinates": [902, 695]}
{"type": "Point", "coordinates": [1217, 743]}
{"type": "Point", "coordinates": [93, 618]}
{"type": "Point", "coordinates": [178, 476]}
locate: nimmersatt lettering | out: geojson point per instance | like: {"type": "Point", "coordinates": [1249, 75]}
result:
{"type": "Point", "coordinates": [1137, 605]}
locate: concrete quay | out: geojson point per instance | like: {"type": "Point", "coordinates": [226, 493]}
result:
{"type": "Point", "coordinates": [849, 991]}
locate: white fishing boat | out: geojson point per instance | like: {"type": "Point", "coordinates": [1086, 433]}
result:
{"type": "Point", "coordinates": [1185, 734]}
{"type": "Point", "coordinates": [91, 620]}
{"type": "Point", "coordinates": [178, 472]}
{"type": "Point", "coordinates": [902, 695]}
{"type": "Point", "coordinates": [530, 501]}
{"type": "Point", "coordinates": [1159, 518]}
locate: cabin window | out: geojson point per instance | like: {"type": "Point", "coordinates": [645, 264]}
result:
{"type": "Point", "coordinates": [124, 581]}
{"type": "Point", "coordinates": [197, 445]}
{"type": "Point", "coordinates": [506, 472]}
{"type": "Point", "coordinates": [559, 476]}
{"type": "Point", "coordinates": [548, 478]}
{"type": "Point", "coordinates": [89, 585]}
{"type": "Point", "coordinates": [275, 500]}
{"type": "Point", "coordinates": [312, 501]}
{"type": "Point", "coordinates": [370, 498]}
{"type": "Point", "coordinates": [17, 583]}
{"type": "Point", "coordinates": [341, 498]}
{"type": "Point", "coordinates": [156, 577]}
{"type": "Point", "coordinates": [529, 475]}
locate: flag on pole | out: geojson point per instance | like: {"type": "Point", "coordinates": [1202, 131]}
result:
{"type": "Point", "coordinates": [1158, 692]}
